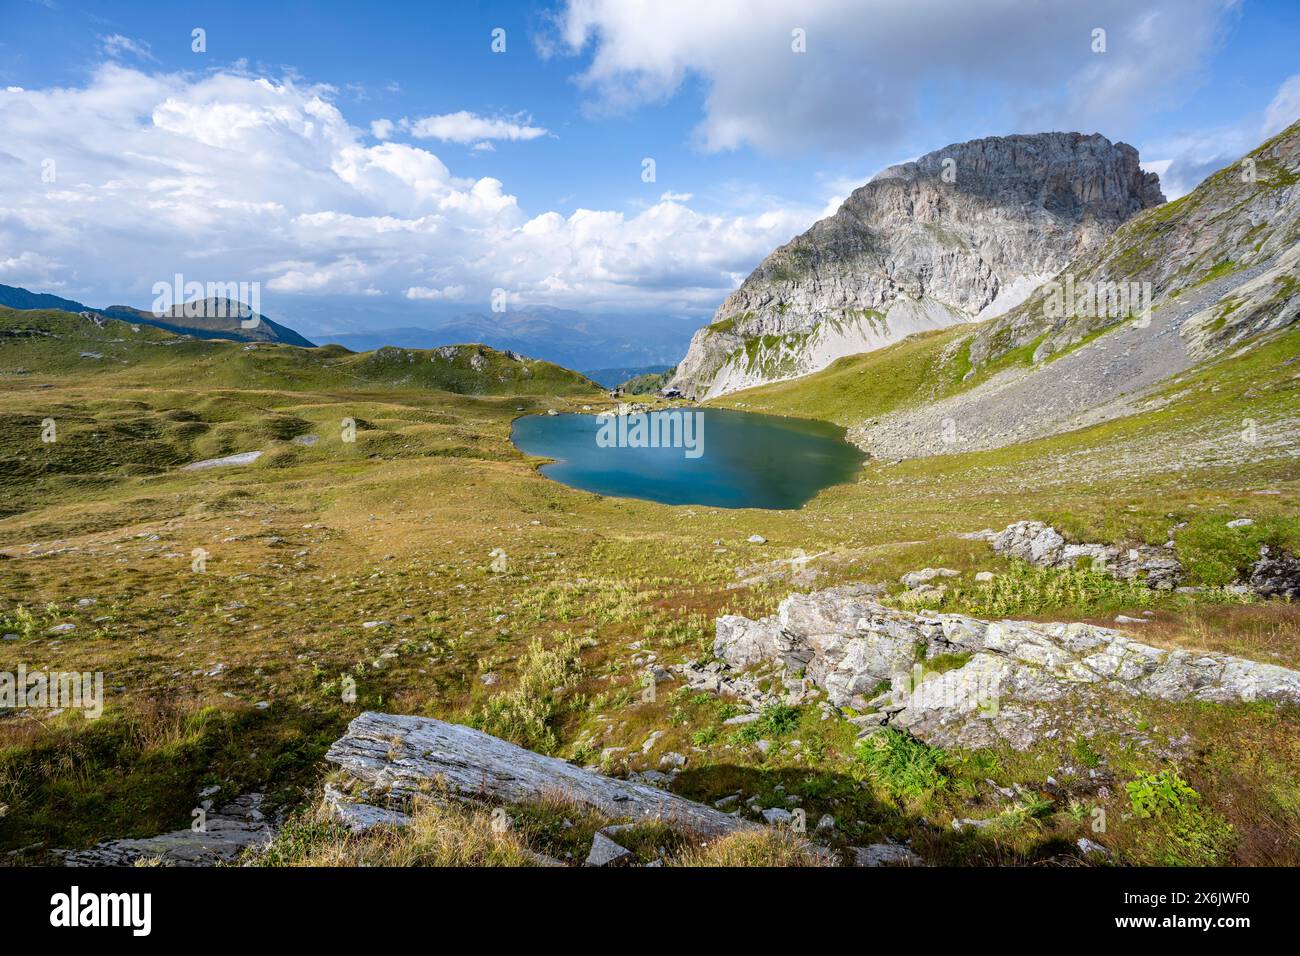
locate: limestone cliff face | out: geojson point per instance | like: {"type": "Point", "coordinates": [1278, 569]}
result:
{"type": "Point", "coordinates": [962, 233]}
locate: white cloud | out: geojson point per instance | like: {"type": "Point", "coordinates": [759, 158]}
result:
{"type": "Point", "coordinates": [867, 63]}
{"type": "Point", "coordinates": [446, 292]}
{"type": "Point", "coordinates": [115, 45]}
{"type": "Point", "coordinates": [466, 127]}
{"type": "Point", "coordinates": [676, 197]}
{"type": "Point", "coordinates": [381, 128]}
{"type": "Point", "coordinates": [1192, 157]}
{"type": "Point", "coordinates": [230, 177]}
{"type": "Point", "coordinates": [1285, 108]}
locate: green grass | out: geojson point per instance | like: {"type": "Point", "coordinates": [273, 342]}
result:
{"type": "Point", "coordinates": [860, 386]}
{"type": "Point", "coordinates": [526, 713]}
{"type": "Point", "coordinates": [1215, 555]}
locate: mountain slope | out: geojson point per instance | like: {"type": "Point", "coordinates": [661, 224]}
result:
{"type": "Point", "coordinates": [961, 233]}
{"type": "Point", "coordinates": [1244, 216]}
{"type": "Point", "coordinates": [212, 319]}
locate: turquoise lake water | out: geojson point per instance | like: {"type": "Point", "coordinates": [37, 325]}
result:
{"type": "Point", "coordinates": [720, 458]}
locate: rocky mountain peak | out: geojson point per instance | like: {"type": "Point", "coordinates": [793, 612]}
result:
{"type": "Point", "coordinates": [964, 232]}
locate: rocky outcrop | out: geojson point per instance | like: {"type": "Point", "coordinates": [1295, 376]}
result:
{"type": "Point", "coordinates": [1042, 545]}
{"type": "Point", "coordinates": [402, 756]}
{"type": "Point", "coordinates": [1276, 574]}
{"type": "Point", "coordinates": [1017, 681]}
{"type": "Point", "coordinates": [214, 837]}
{"type": "Point", "coordinates": [961, 233]}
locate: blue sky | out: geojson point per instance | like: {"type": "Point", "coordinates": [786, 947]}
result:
{"type": "Point", "coordinates": [751, 140]}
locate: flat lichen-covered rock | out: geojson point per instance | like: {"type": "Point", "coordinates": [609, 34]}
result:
{"type": "Point", "coordinates": [403, 755]}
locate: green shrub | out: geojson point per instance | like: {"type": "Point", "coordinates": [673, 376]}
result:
{"type": "Point", "coordinates": [526, 713]}
{"type": "Point", "coordinates": [902, 765]}
{"type": "Point", "coordinates": [1159, 793]}
{"type": "Point", "coordinates": [777, 720]}
{"type": "Point", "coordinates": [1182, 831]}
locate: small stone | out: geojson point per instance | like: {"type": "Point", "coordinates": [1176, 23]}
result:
{"type": "Point", "coordinates": [1087, 846]}
{"type": "Point", "coordinates": [605, 852]}
{"type": "Point", "coordinates": [489, 678]}
{"type": "Point", "coordinates": [1241, 523]}
{"type": "Point", "coordinates": [61, 629]}
{"type": "Point", "coordinates": [984, 576]}
{"type": "Point", "coordinates": [914, 578]}
{"type": "Point", "coordinates": [757, 539]}
{"type": "Point", "coordinates": [776, 816]}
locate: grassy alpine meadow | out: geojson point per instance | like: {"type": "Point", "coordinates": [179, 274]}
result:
{"type": "Point", "coordinates": [391, 550]}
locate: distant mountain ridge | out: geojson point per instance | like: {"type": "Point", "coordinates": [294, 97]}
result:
{"type": "Point", "coordinates": [217, 318]}
{"type": "Point", "coordinates": [964, 232]}
{"type": "Point", "coordinates": [573, 339]}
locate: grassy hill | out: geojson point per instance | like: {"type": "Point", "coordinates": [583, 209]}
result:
{"type": "Point", "coordinates": [53, 343]}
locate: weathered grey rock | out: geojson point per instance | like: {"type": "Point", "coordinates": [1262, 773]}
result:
{"type": "Point", "coordinates": [605, 852]}
{"type": "Point", "coordinates": [360, 817]}
{"type": "Point", "coordinates": [1023, 680]}
{"type": "Point", "coordinates": [885, 854]}
{"type": "Point", "coordinates": [968, 230]}
{"type": "Point", "coordinates": [1087, 846]}
{"type": "Point", "coordinates": [776, 816]}
{"type": "Point", "coordinates": [1042, 545]}
{"type": "Point", "coordinates": [226, 833]}
{"type": "Point", "coordinates": [914, 578]}
{"type": "Point", "coordinates": [402, 755]}
{"type": "Point", "coordinates": [1276, 575]}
